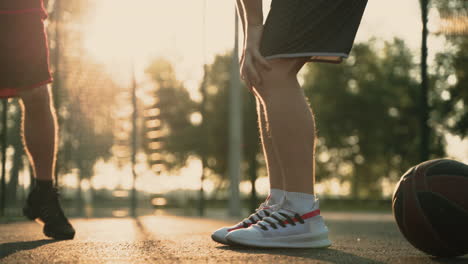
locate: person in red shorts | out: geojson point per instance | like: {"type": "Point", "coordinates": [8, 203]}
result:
{"type": "Point", "coordinates": [24, 73]}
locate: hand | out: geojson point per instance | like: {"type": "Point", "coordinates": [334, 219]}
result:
{"type": "Point", "coordinates": [252, 61]}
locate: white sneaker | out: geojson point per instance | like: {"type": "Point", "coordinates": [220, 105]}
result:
{"type": "Point", "coordinates": [284, 229]}
{"type": "Point", "coordinates": [262, 211]}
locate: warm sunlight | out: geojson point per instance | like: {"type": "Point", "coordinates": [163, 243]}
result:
{"type": "Point", "coordinates": [117, 33]}
{"type": "Point", "coordinates": [120, 35]}
{"type": "Point", "coordinates": [207, 131]}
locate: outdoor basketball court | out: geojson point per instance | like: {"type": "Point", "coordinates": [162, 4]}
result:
{"type": "Point", "coordinates": [148, 111]}
{"type": "Point", "coordinates": [357, 238]}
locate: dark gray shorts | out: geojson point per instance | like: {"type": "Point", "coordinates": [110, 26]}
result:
{"type": "Point", "coordinates": [322, 30]}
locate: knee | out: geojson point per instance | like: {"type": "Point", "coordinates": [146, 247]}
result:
{"type": "Point", "coordinates": [36, 100]}
{"type": "Point", "coordinates": [283, 75]}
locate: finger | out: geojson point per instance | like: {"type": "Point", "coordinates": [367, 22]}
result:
{"type": "Point", "coordinates": [245, 79]}
{"type": "Point", "coordinates": [243, 73]}
{"type": "Point", "coordinates": [249, 85]}
{"type": "Point", "coordinates": [259, 59]}
{"type": "Point", "coordinates": [253, 76]}
{"type": "Point", "coordinates": [252, 73]}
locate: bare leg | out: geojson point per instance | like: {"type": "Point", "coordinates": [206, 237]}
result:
{"type": "Point", "coordinates": [40, 142]}
{"type": "Point", "coordinates": [39, 131]}
{"type": "Point", "coordinates": [292, 129]}
{"type": "Point", "coordinates": [290, 124]}
{"type": "Point", "coordinates": [272, 163]}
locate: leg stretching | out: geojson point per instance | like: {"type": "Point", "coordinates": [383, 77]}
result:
{"type": "Point", "coordinates": [290, 123]}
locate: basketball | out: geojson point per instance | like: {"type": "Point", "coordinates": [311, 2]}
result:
{"type": "Point", "coordinates": [430, 206]}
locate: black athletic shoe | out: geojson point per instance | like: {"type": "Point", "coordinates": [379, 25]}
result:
{"type": "Point", "coordinates": [43, 204]}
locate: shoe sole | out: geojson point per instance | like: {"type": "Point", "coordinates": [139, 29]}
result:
{"type": "Point", "coordinates": [59, 237]}
{"type": "Point", "coordinates": [29, 213]}
{"type": "Point", "coordinates": [299, 241]}
{"type": "Point", "coordinates": [220, 240]}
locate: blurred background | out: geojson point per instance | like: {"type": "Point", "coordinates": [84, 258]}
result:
{"type": "Point", "coordinates": [143, 91]}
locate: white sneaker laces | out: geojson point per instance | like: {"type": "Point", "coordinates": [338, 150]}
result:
{"type": "Point", "coordinates": [262, 211]}
{"type": "Point", "coordinates": [279, 217]}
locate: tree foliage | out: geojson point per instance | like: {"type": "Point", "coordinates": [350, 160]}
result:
{"type": "Point", "coordinates": [451, 78]}
{"type": "Point", "coordinates": [208, 139]}
{"type": "Point", "coordinates": [180, 136]}
{"type": "Point", "coordinates": [366, 109]}
{"type": "Point", "coordinates": [367, 115]}
{"type": "Point", "coordinates": [85, 94]}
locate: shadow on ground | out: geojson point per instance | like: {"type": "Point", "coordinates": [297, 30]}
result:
{"type": "Point", "coordinates": [7, 249]}
{"type": "Point", "coordinates": [450, 260]}
{"type": "Point", "coordinates": [336, 256]}
{"type": "Point", "coordinates": [326, 254]}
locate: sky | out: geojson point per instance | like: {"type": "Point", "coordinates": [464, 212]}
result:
{"type": "Point", "coordinates": [191, 33]}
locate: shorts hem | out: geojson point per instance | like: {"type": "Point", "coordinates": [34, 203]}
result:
{"type": "Point", "coordinates": [309, 54]}
{"type": "Point", "coordinates": [7, 92]}
{"type": "Point", "coordinates": [15, 12]}
{"type": "Point", "coordinates": [20, 11]}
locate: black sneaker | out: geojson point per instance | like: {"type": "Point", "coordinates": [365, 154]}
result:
{"type": "Point", "coordinates": [43, 204]}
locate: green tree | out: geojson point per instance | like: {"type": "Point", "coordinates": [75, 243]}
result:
{"type": "Point", "coordinates": [87, 114]}
{"type": "Point", "coordinates": [367, 116]}
{"type": "Point", "coordinates": [451, 79]}
{"type": "Point", "coordinates": [216, 129]}
{"type": "Point", "coordinates": [180, 135]}
{"type": "Point", "coordinates": [15, 143]}
{"type": "Point", "coordinates": [84, 94]}
{"type": "Point", "coordinates": [207, 140]}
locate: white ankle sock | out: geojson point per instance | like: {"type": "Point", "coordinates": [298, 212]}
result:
{"type": "Point", "coordinates": [300, 203]}
{"type": "Point", "coordinates": [275, 197]}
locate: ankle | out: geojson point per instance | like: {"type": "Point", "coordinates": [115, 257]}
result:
{"type": "Point", "coordinates": [43, 184]}
{"type": "Point", "coordinates": [300, 202]}
{"type": "Point", "coordinates": [275, 196]}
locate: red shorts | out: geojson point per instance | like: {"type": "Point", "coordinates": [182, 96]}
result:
{"type": "Point", "coordinates": [24, 53]}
